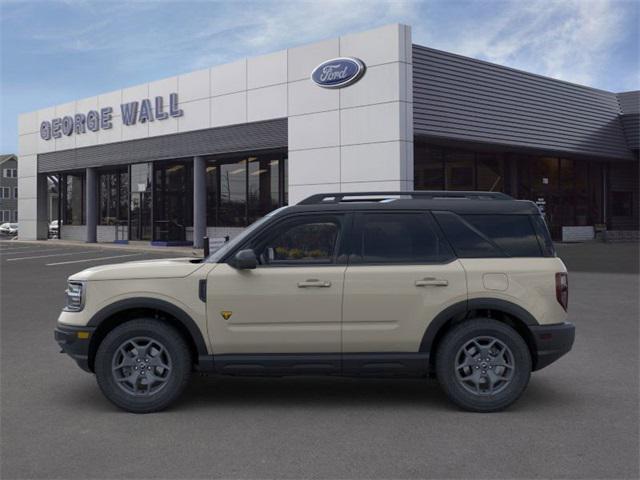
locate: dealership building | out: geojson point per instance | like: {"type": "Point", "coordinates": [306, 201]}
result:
{"type": "Point", "coordinates": [208, 152]}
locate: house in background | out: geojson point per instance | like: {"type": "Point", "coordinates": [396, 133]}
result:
{"type": "Point", "coordinates": [9, 188]}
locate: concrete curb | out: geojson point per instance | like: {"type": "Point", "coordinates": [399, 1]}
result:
{"type": "Point", "coordinates": [186, 251]}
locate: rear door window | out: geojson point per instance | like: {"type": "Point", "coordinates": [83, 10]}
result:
{"type": "Point", "coordinates": [399, 238]}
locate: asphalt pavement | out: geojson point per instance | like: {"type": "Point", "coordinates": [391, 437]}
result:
{"type": "Point", "coordinates": [579, 417]}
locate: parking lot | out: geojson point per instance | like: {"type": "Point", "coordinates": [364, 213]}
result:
{"type": "Point", "coordinates": [578, 418]}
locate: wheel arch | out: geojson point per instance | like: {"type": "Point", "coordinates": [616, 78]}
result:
{"type": "Point", "coordinates": [122, 311]}
{"type": "Point", "coordinates": [498, 309]}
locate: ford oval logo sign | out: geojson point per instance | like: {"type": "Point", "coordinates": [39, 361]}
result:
{"type": "Point", "coordinates": [338, 73]}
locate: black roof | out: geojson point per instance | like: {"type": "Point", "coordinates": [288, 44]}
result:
{"type": "Point", "coordinates": [458, 202]}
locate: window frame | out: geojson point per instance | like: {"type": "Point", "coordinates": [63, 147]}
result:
{"type": "Point", "coordinates": [275, 228]}
{"type": "Point", "coordinates": [355, 259]}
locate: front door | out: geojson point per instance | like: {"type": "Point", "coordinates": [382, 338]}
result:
{"type": "Point", "coordinates": [401, 274]}
{"type": "Point", "coordinates": [291, 303]}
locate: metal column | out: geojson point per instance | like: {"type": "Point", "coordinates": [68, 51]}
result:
{"type": "Point", "coordinates": [199, 201]}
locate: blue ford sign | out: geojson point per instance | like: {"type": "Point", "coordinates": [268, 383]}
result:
{"type": "Point", "coordinates": [338, 73]}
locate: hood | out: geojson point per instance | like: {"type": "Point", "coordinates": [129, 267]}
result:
{"type": "Point", "coordinates": [152, 269]}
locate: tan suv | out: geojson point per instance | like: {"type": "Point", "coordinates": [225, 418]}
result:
{"type": "Point", "coordinates": [463, 285]}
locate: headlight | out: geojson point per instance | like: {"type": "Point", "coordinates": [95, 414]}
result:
{"type": "Point", "coordinates": [75, 297]}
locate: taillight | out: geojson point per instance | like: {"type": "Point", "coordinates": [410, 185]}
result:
{"type": "Point", "coordinates": [562, 289]}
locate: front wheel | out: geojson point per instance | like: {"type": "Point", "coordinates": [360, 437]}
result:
{"type": "Point", "coordinates": [143, 365]}
{"type": "Point", "coordinates": [483, 365]}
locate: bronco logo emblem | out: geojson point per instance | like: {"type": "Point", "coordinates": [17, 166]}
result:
{"type": "Point", "coordinates": [339, 72]}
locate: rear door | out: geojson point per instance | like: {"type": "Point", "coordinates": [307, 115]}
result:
{"type": "Point", "coordinates": [401, 274]}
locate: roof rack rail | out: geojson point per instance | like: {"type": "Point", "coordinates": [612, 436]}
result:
{"type": "Point", "coordinates": [325, 198]}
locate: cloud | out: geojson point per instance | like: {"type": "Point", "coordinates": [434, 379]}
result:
{"type": "Point", "coordinates": [569, 40]}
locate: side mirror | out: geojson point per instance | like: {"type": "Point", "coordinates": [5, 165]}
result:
{"type": "Point", "coordinates": [244, 260]}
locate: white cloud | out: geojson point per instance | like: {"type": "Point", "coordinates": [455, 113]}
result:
{"type": "Point", "coordinates": [569, 40]}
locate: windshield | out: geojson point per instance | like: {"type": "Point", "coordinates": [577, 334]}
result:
{"type": "Point", "coordinates": [216, 256]}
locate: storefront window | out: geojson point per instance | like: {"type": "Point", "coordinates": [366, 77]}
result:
{"type": "Point", "coordinates": [241, 190]}
{"type": "Point", "coordinates": [568, 191]}
{"type": "Point", "coordinates": [73, 201]}
{"type": "Point", "coordinates": [428, 168]}
{"type": "Point", "coordinates": [173, 200]}
{"type": "Point", "coordinates": [459, 171]}
{"type": "Point", "coordinates": [113, 197]}
{"type": "Point", "coordinates": [264, 186]}
{"type": "Point", "coordinates": [490, 172]}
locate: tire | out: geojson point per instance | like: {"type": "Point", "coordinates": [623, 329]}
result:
{"type": "Point", "coordinates": [478, 385]}
{"type": "Point", "coordinates": [154, 355]}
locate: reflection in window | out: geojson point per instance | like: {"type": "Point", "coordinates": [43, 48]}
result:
{"type": "Point", "coordinates": [241, 190]}
{"type": "Point", "coordinates": [459, 171]}
{"type": "Point", "coordinates": [622, 204]}
{"type": "Point", "coordinates": [490, 173]}
{"type": "Point", "coordinates": [309, 242]}
{"type": "Point", "coordinates": [264, 187]}
{"type": "Point", "coordinates": [429, 168]}
{"type": "Point", "coordinates": [173, 200]}
{"type": "Point", "coordinates": [113, 197]}
{"type": "Point", "coordinates": [233, 194]}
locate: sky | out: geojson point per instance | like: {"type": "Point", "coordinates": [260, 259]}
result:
{"type": "Point", "coordinates": [55, 51]}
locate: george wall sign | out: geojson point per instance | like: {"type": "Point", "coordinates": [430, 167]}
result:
{"type": "Point", "coordinates": [338, 72]}
{"type": "Point", "coordinates": [94, 120]}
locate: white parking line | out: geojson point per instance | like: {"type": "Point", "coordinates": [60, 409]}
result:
{"type": "Point", "coordinates": [39, 250]}
{"type": "Point", "coordinates": [93, 259]}
{"type": "Point", "coordinates": [52, 255]}
{"type": "Point", "coordinates": [11, 249]}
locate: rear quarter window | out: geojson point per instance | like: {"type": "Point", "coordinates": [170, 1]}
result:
{"type": "Point", "coordinates": [514, 234]}
{"type": "Point", "coordinates": [486, 236]}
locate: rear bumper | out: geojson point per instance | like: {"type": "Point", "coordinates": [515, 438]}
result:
{"type": "Point", "coordinates": [73, 344]}
{"type": "Point", "coordinates": [552, 342]}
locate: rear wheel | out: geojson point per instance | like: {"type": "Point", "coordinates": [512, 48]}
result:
{"type": "Point", "coordinates": [142, 366]}
{"type": "Point", "coordinates": [483, 365]}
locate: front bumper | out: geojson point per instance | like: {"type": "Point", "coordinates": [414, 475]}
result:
{"type": "Point", "coordinates": [552, 342]}
{"type": "Point", "coordinates": [74, 341]}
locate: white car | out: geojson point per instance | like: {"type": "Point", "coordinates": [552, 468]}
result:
{"type": "Point", "coordinates": [54, 229]}
{"type": "Point", "coordinates": [9, 228]}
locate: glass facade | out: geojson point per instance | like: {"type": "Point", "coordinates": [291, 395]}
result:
{"type": "Point", "coordinates": [73, 199]}
{"type": "Point", "coordinates": [242, 189]}
{"type": "Point", "coordinates": [172, 200]}
{"type": "Point", "coordinates": [113, 197]}
{"type": "Point", "coordinates": [570, 191]}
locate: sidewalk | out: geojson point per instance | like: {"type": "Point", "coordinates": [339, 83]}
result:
{"type": "Point", "coordinates": [131, 246]}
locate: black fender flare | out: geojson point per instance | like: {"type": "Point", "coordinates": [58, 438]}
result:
{"type": "Point", "coordinates": [459, 310]}
{"type": "Point", "coordinates": [156, 304]}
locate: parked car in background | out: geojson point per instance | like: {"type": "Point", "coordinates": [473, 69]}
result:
{"type": "Point", "coordinates": [54, 229]}
{"type": "Point", "coordinates": [9, 229]}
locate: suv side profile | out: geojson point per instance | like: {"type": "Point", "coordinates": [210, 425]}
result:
{"type": "Point", "coordinates": [465, 286]}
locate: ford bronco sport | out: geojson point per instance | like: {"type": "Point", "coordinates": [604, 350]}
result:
{"type": "Point", "coordinates": [465, 286]}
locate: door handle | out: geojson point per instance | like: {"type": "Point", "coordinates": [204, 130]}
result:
{"type": "Point", "coordinates": [432, 282]}
{"type": "Point", "coordinates": [313, 283]}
